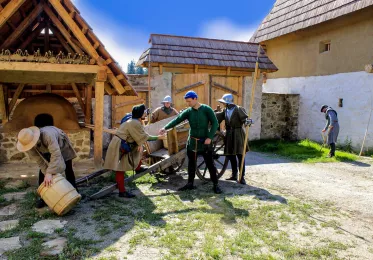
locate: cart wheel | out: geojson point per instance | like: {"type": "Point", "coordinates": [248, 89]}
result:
{"type": "Point", "coordinates": [175, 167]}
{"type": "Point", "coordinates": [220, 160]}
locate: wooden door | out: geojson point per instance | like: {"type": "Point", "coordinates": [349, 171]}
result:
{"type": "Point", "coordinates": [121, 105]}
{"type": "Point", "coordinates": [182, 83]}
{"type": "Point", "coordinates": [221, 85]}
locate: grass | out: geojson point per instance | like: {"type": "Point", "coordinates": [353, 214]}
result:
{"type": "Point", "coordinates": [303, 151]}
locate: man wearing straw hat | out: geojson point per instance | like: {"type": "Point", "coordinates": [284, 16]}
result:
{"type": "Point", "coordinates": [331, 127]}
{"type": "Point", "coordinates": [50, 147]}
{"type": "Point", "coordinates": [164, 111]}
{"type": "Point", "coordinates": [200, 116]}
{"type": "Point", "coordinates": [234, 117]}
{"type": "Point", "coordinates": [125, 149]}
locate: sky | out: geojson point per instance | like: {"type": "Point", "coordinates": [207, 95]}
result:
{"type": "Point", "coordinates": [124, 26]}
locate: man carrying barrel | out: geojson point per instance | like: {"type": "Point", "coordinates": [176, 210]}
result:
{"type": "Point", "coordinates": [200, 116]}
{"type": "Point", "coordinates": [50, 147]}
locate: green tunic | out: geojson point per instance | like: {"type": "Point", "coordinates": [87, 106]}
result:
{"type": "Point", "coordinates": [199, 120]}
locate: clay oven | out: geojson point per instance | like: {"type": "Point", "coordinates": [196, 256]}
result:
{"type": "Point", "coordinates": [62, 111]}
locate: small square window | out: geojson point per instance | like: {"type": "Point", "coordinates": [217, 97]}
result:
{"type": "Point", "coordinates": [324, 46]}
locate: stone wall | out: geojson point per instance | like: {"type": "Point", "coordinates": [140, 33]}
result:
{"type": "Point", "coordinates": [256, 113]}
{"type": "Point", "coordinates": [80, 140]}
{"type": "Point", "coordinates": [279, 116]}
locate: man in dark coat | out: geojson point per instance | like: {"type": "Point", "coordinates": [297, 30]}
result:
{"type": "Point", "coordinates": [234, 117]}
{"type": "Point", "coordinates": [331, 127]}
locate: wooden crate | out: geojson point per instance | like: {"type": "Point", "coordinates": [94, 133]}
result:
{"type": "Point", "coordinates": [176, 138]}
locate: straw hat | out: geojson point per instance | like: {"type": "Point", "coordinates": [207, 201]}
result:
{"type": "Point", "coordinates": [27, 138]}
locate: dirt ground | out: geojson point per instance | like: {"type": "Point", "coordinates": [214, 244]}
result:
{"type": "Point", "coordinates": [288, 211]}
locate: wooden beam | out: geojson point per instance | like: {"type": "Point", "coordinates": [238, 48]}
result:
{"type": "Point", "coordinates": [120, 77]}
{"type": "Point", "coordinates": [49, 67]}
{"type": "Point", "coordinates": [195, 68]}
{"type": "Point", "coordinates": [48, 89]}
{"type": "Point", "coordinates": [109, 61]}
{"type": "Point", "coordinates": [35, 33]}
{"type": "Point", "coordinates": [77, 94]}
{"type": "Point", "coordinates": [136, 101]}
{"type": "Point", "coordinates": [195, 85]}
{"type": "Point", "coordinates": [88, 105]}
{"type": "Point", "coordinates": [228, 70]}
{"type": "Point", "coordinates": [61, 28]}
{"type": "Point", "coordinates": [96, 45]}
{"type": "Point", "coordinates": [61, 39]}
{"type": "Point", "coordinates": [109, 89]}
{"type": "Point", "coordinates": [56, 91]}
{"type": "Point", "coordinates": [99, 123]}
{"type": "Point", "coordinates": [85, 42]}
{"type": "Point", "coordinates": [46, 38]}
{"type": "Point", "coordinates": [16, 95]}
{"type": "Point", "coordinates": [160, 69]}
{"type": "Point", "coordinates": [3, 103]}
{"type": "Point", "coordinates": [22, 27]}
{"type": "Point", "coordinates": [9, 10]}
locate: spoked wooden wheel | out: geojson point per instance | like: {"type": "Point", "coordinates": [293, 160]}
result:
{"type": "Point", "coordinates": [220, 160]}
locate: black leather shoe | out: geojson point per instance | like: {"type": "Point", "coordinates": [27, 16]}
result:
{"type": "Point", "coordinates": [243, 181]}
{"type": "Point", "coordinates": [188, 186]}
{"type": "Point", "coordinates": [40, 204]}
{"type": "Point", "coordinates": [126, 194]}
{"type": "Point", "coordinates": [217, 189]}
{"type": "Point", "coordinates": [232, 178]}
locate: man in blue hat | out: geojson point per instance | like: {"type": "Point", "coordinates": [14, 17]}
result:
{"type": "Point", "coordinates": [200, 116]}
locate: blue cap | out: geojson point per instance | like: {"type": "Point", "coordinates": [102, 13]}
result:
{"type": "Point", "coordinates": [191, 94]}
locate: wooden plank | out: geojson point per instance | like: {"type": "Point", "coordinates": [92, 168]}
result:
{"type": "Point", "coordinates": [229, 71]}
{"type": "Point", "coordinates": [9, 10]}
{"type": "Point", "coordinates": [129, 102]}
{"type": "Point", "coordinates": [240, 91]}
{"type": "Point", "coordinates": [61, 28]}
{"type": "Point", "coordinates": [120, 77]}
{"type": "Point", "coordinates": [48, 88]}
{"type": "Point", "coordinates": [195, 85]}
{"type": "Point", "coordinates": [88, 104]}
{"type": "Point", "coordinates": [195, 68]}
{"type": "Point", "coordinates": [15, 97]}
{"type": "Point", "coordinates": [99, 123]}
{"type": "Point", "coordinates": [85, 42]}
{"type": "Point", "coordinates": [22, 27]}
{"type": "Point", "coordinates": [48, 67]}
{"type": "Point", "coordinates": [153, 129]}
{"type": "Point", "coordinates": [3, 102]}
{"type": "Point", "coordinates": [109, 89]}
{"type": "Point", "coordinates": [160, 69]}
{"type": "Point", "coordinates": [217, 85]}
{"type": "Point", "coordinates": [78, 96]}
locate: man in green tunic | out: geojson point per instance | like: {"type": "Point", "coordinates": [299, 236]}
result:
{"type": "Point", "coordinates": [200, 137]}
{"type": "Point", "coordinates": [234, 117]}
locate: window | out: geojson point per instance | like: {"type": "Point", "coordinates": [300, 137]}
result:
{"type": "Point", "coordinates": [324, 46]}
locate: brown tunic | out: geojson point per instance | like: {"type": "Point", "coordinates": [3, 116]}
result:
{"type": "Point", "coordinates": [159, 114]}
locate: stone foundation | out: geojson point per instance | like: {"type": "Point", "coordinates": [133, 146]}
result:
{"type": "Point", "coordinates": [80, 140]}
{"type": "Point", "coordinates": [280, 114]}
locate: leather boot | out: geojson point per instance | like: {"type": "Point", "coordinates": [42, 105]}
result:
{"type": "Point", "coordinates": [188, 186]}
{"type": "Point", "coordinates": [217, 189]}
{"type": "Point", "coordinates": [233, 177]}
{"type": "Point", "coordinates": [126, 194]}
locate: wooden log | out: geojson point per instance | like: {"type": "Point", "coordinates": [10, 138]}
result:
{"type": "Point", "coordinates": [15, 97]}
{"type": "Point", "coordinates": [369, 68]}
{"type": "Point", "coordinates": [99, 123]}
{"type": "Point", "coordinates": [88, 104]}
{"type": "Point", "coordinates": [9, 10]}
{"type": "Point", "coordinates": [77, 94]}
{"type": "Point", "coordinates": [3, 101]}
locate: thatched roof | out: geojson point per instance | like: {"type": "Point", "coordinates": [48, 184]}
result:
{"type": "Point", "coordinates": [207, 52]}
{"type": "Point", "coordinates": [289, 16]}
{"type": "Point", "coordinates": [24, 24]}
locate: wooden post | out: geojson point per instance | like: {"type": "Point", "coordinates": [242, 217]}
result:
{"type": "Point", "coordinates": [78, 96]}
{"type": "Point", "coordinates": [15, 97]}
{"type": "Point", "coordinates": [88, 105]}
{"type": "Point", "coordinates": [3, 111]}
{"type": "Point", "coordinates": [99, 123]}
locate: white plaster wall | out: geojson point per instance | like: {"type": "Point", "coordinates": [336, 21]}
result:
{"type": "Point", "coordinates": [162, 87]}
{"type": "Point", "coordinates": [257, 107]}
{"type": "Point", "coordinates": [355, 88]}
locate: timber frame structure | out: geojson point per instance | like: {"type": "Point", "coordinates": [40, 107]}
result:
{"type": "Point", "coordinates": [47, 47]}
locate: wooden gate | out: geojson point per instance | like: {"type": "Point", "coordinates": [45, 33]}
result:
{"type": "Point", "coordinates": [182, 83]}
{"type": "Point", "coordinates": [209, 88]}
{"type": "Point", "coordinates": [121, 105]}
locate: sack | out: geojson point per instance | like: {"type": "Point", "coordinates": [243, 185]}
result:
{"type": "Point", "coordinates": [124, 146]}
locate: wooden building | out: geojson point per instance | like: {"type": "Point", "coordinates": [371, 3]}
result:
{"type": "Point", "coordinates": [208, 66]}
{"type": "Point", "coordinates": [321, 49]}
{"type": "Point", "coordinates": [47, 47]}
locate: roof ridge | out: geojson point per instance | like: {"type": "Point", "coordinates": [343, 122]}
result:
{"type": "Point", "coordinates": [201, 38]}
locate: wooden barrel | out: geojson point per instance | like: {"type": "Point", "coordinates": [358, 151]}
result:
{"type": "Point", "coordinates": [61, 197]}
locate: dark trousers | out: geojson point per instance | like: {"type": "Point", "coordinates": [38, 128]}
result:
{"type": "Point", "coordinates": [207, 156]}
{"type": "Point", "coordinates": [235, 167]}
{"type": "Point", "coordinates": [332, 149]}
{"type": "Point", "coordinates": [70, 176]}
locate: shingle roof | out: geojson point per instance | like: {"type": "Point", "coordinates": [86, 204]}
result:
{"type": "Point", "coordinates": [289, 16]}
{"type": "Point", "coordinates": [202, 51]}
